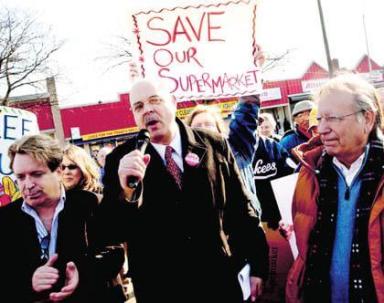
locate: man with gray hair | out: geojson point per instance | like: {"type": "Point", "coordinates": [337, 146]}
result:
{"type": "Point", "coordinates": [338, 205]}
{"type": "Point", "coordinates": [190, 225]}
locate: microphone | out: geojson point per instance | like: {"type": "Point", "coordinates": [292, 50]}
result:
{"type": "Point", "coordinates": [142, 140]}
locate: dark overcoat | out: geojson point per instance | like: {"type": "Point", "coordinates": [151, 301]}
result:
{"type": "Point", "coordinates": [188, 243]}
{"type": "Point", "coordinates": [20, 248]}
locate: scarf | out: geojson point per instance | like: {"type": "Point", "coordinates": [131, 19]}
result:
{"type": "Point", "coordinates": [316, 278]}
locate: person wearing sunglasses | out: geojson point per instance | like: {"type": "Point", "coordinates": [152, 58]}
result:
{"type": "Point", "coordinates": [338, 204]}
{"type": "Point", "coordinates": [80, 171]}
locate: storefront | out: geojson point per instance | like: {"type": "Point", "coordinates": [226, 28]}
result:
{"type": "Point", "coordinates": [112, 122]}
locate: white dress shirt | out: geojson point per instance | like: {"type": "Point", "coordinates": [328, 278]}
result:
{"type": "Point", "coordinates": [177, 154]}
{"type": "Point", "coordinates": [351, 172]}
{"type": "Point", "coordinates": [40, 228]}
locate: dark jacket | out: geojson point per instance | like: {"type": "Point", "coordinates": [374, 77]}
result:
{"type": "Point", "coordinates": [20, 247]}
{"type": "Point", "coordinates": [293, 138]}
{"type": "Point", "coordinates": [271, 162]}
{"type": "Point", "coordinates": [183, 244]}
{"type": "Point", "coordinates": [260, 159]}
{"type": "Point", "coordinates": [243, 140]}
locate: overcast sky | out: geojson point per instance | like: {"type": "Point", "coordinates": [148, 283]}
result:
{"type": "Point", "coordinates": [88, 27]}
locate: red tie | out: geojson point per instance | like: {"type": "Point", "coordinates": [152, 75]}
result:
{"type": "Point", "coordinates": [172, 167]}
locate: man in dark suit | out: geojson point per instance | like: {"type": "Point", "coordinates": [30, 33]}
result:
{"type": "Point", "coordinates": [43, 234]}
{"type": "Point", "coordinates": [190, 225]}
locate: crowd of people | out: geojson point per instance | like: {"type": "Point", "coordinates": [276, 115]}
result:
{"type": "Point", "coordinates": [193, 224]}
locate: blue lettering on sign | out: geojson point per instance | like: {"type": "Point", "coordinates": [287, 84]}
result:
{"type": "Point", "coordinates": [24, 129]}
{"type": "Point", "coordinates": [8, 127]}
{"type": "Point", "coordinates": [2, 168]}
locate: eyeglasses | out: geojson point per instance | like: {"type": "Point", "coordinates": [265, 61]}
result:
{"type": "Point", "coordinates": [304, 114]}
{"type": "Point", "coordinates": [336, 119]}
{"type": "Point", "coordinates": [70, 166]}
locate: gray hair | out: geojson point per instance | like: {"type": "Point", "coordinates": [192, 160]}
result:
{"type": "Point", "coordinates": [365, 95]}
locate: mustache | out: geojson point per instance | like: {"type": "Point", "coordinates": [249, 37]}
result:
{"type": "Point", "coordinates": [150, 118]}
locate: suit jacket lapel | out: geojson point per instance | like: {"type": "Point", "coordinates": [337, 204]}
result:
{"type": "Point", "coordinates": [28, 235]}
{"type": "Point", "coordinates": [157, 169]}
{"type": "Point", "coordinates": [191, 146]}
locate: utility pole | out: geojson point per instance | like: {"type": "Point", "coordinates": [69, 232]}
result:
{"type": "Point", "coordinates": [57, 121]}
{"type": "Point", "coordinates": [325, 39]}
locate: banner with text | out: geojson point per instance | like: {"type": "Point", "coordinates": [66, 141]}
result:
{"type": "Point", "coordinates": [203, 51]}
{"type": "Point", "coordinates": [14, 123]}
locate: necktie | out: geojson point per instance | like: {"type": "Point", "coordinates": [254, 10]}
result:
{"type": "Point", "coordinates": [44, 245]}
{"type": "Point", "coordinates": [172, 167]}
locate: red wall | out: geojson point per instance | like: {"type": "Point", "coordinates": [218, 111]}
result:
{"type": "Point", "coordinates": [118, 115]}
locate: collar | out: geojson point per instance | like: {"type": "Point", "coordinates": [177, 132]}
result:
{"type": "Point", "coordinates": [29, 210]}
{"type": "Point", "coordinates": [352, 171]}
{"type": "Point", "coordinates": [175, 144]}
{"type": "Point", "coordinates": [189, 142]}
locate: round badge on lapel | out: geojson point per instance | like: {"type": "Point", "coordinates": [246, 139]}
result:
{"type": "Point", "coordinates": [192, 159]}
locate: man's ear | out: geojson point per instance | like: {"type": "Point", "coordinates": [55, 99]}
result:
{"type": "Point", "coordinates": [173, 100]}
{"type": "Point", "coordinates": [58, 171]}
{"type": "Point", "coordinates": [369, 120]}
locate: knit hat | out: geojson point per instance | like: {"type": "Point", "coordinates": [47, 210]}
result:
{"type": "Point", "coordinates": [302, 106]}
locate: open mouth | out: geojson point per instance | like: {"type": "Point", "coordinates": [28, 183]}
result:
{"type": "Point", "coordinates": [151, 123]}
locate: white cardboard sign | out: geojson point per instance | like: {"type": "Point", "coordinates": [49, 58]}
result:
{"type": "Point", "coordinates": [14, 123]}
{"type": "Point", "coordinates": [201, 51]}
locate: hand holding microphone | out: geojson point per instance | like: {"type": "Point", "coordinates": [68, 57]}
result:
{"type": "Point", "coordinates": [133, 165]}
{"type": "Point", "coordinates": [143, 138]}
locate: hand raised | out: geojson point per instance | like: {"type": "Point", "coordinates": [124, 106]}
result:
{"type": "Point", "coordinates": [260, 56]}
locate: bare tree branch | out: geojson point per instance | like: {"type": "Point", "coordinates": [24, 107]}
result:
{"type": "Point", "coordinates": [118, 53]}
{"type": "Point", "coordinates": [274, 60]}
{"type": "Point", "coordinates": [26, 49]}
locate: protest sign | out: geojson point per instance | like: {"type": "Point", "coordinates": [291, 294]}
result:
{"type": "Point", "coordinates": [281, 252]}
{"type": "Point", "coordinates": [284, 188]}
{"type": "Point", "coordinates": [200, 51]}
{"type": "Point", "coordinates": [14, 123]}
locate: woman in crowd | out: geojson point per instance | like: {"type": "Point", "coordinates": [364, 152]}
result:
{"type": "Point", "coordinates": [267, 126]}
{"type": "Point", "coordinates": [207, 117]}
{"type": "Point", "coordinates": [80, 170]}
